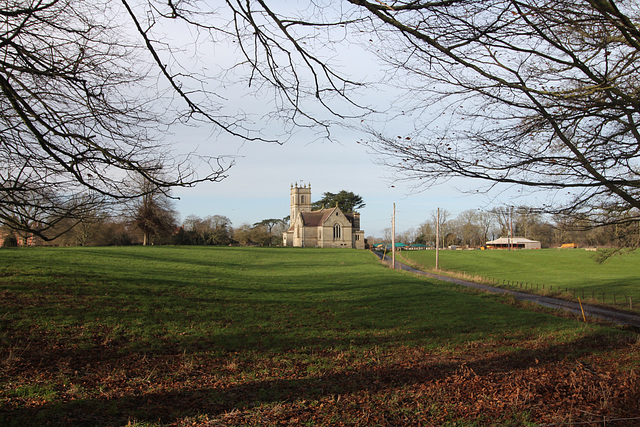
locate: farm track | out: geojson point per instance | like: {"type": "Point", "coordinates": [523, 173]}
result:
{"type": "Point", "coordinates": [609, 314]}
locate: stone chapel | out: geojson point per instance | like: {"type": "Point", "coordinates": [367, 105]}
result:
{"type": "Point", "coordinates": [323, 228]}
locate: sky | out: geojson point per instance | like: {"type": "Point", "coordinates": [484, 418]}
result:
{"type": "Point", "coordinates": [258, 185]}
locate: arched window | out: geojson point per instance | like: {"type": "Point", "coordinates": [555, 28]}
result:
{"type": "Point", "coordinates": [337, 232]}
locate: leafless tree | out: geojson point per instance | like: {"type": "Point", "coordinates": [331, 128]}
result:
{"type": "Point", "coordinates": [408, 236]}
{"type": "Point", "coordinates": [152, 213]}
{"type": "Point", "coordinates": [468, 227]}
{"type": "Point", "coordinates": [427, 233]}
{"type": "Point", "coordinates": [210, 230]}
{"type": "Point", "coordinates": [153, 216]}
{"type": "Point", "coordinates": [86, 231]}
{"type": "Point", "coordinates": [486, 224]}
{"type": "Point", "coordinates": [91, 89]}
{"type": "Point", "coordinates": [443, 226]}
{"type": "Point", "coordinates": [504, 216]}
{"type": "Point", "coordinates": [535, 93]}
{"type": "Point", "coordinates": [540, 94]}
{"type": "Point", "coordinates": [387, 234]}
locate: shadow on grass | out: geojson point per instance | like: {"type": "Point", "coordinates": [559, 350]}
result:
{"type": "Point", "coordinates": [215, 401]}
{"type": "Point", "coordinates": [110, 323]}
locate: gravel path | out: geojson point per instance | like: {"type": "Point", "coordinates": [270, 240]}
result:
{"type": "Point", "coordinates": [609, 314]}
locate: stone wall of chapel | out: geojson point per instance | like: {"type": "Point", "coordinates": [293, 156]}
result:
{"type": "Point", "coordinates": [358, 239]}
{"type": "Point", "coordinates": [321, 236]}
{"type": "Point", "coordinates": [305, 236]}
{"type": "Point", "coordinates": [344, 241]}
{"type": "Point", "coordinates": [345, 236]}
{"type": "Point", "coordinates": [296, 233]}
{"type": "Point", "coordinates": [310, 237]}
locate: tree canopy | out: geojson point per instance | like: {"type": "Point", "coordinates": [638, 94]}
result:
{"type": "Point", "coordinates": [84, 109]}
{"type": "Point", "coordinates": [347, 201]}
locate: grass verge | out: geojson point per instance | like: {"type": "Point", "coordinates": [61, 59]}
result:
{"type": "Point", "coordinates": [565, 273]}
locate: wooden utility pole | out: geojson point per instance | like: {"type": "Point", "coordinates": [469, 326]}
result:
{"type": "Point", "coordinates": [437, 237]}
{"type": "Point", "coordinates": [510, 227]}
{"type": "Point", "coordinates": [393, 237]}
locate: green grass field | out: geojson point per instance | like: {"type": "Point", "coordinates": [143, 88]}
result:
{"type": "Point", "coordinates": [572, 269]}
{"type": "Point", "coordinates": [237, 336]}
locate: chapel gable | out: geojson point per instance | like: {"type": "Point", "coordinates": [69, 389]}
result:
{"type": "Point", "coordinates": [324, 228]}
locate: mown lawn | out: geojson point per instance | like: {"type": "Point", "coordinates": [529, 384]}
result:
{"type": "Point", "coordinates": [250, 336]}
{"type": "Point", "coordinates": [572, 269]}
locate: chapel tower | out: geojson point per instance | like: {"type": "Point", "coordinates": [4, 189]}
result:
{"type": "Point", "coordinates": [300, 199]}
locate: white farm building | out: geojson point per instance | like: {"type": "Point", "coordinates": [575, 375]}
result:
{"type": "Point", "coordinates": [513, 243]}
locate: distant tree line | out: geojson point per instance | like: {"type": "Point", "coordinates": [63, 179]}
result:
{"type": "Point", "coordinates": [152, 219]}
{"type": "Point", "coordinates": [149, 219]}
{"type": "Point", "coordinates": [142, 226]}
{"type": "Point", "coordinates": [473, 228]}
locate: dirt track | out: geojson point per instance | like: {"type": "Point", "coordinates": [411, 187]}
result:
{"type": "Point", "coordinates": [608, 314]}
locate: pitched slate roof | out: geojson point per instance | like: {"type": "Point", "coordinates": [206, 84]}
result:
{"type": "Point", "coordinates": [319, 217]}
{"type": "Point", "coordinates": [316, 218]}
{"type": "Point", "coordinates": [350, 216]}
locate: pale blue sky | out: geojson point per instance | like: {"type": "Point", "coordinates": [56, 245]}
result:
{"type": "Point", "coordinates": [258, 185]}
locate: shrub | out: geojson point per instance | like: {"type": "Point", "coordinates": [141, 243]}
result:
{"type": "Point", "coordinates": [10, 242]}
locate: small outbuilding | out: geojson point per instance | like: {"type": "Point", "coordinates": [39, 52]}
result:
{"type": "Point", "coordinates": [416, 247]}
{"type": "Point", "coordinates": [387, 246]}
{"type": "Point", "coordinates": [513, 243]}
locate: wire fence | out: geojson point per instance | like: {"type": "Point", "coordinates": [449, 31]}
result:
{"type": "Point", "coordinates": [611, 299]}
{"type": "Point", "coordinates": [595, 297]}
